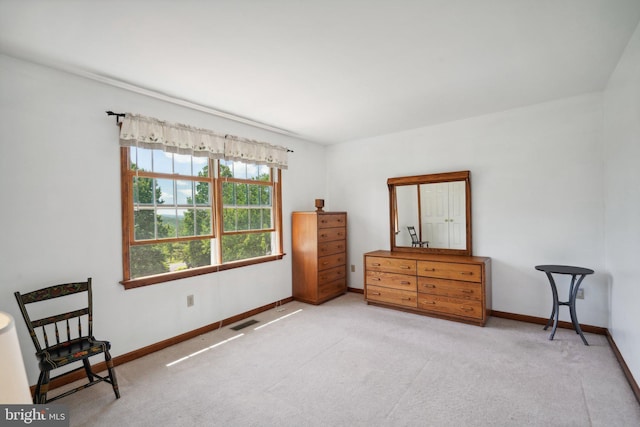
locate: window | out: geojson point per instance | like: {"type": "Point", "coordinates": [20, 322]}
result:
{"type": "Point", "coordinates": [185, 215]}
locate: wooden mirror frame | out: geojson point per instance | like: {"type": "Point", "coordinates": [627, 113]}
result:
{"type": "Point", "coordinates": [393, 183]}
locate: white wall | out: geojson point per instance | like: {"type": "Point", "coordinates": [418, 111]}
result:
{"type": "Point", "coordinates": [622, 201]}
{"type": "Point", "coordinates": [537, 186]}
{"type": "Point", "coordinates": [59, 169]}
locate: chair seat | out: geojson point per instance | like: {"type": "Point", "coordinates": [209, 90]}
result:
{"type": "Point", "coordinates": [70, 351]}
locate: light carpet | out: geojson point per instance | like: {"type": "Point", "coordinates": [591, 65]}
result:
{"type": "Point", "coordinates": [345, 363]}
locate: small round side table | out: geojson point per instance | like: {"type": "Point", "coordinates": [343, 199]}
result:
{"type": "Point", "coordinates": [577, 275]}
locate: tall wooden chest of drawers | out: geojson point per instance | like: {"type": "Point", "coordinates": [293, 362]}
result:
{"type": "Point", "coordinates": [319, 261]}
{"type": "Point", "coordinates": [447, 286]}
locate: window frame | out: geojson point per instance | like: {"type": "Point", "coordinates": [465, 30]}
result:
{"type": "Point", "coordinates": [216, 181]}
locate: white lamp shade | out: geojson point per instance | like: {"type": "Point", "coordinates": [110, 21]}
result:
{"type": "Point", "coordinates": [13, 377]}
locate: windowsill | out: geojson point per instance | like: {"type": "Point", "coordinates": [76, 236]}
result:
{"type": "Point", "coordinates": [167, 277]}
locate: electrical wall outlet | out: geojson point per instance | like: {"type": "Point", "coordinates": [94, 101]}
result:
{"type": "Point", "coordinates": [189, 300]}
{"type": "Point", "coordinates": [353, 268]}
{"type": "Point", "coordinates": [580, 294]}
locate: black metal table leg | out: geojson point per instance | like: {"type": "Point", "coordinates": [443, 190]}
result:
{"type": "Point", "coordinates": [555, 313]}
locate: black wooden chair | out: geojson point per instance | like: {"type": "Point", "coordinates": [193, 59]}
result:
{"type": "Point", "coordinates": [415, 241]}
{"type": "Point", "coordinates": [72, 331]}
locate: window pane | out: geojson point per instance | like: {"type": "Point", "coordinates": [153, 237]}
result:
{"type": "Point", "coordinates": [266, 218]}
{"type": "Point", "coordinates": [242, 219]}
{"type": "Point", "coordinates": [203, 193]}
{"type": "Point", "coordinates": [143, 191]}
{"type": "Point", "coordinates": [229, 219]}
{"type": "Point", "coordinates": [242, 194]}
{"type": "Point", "coordinates": [264, 173]}
{"type": "Point", "coordinates": [165, 188]}
{"type": "Point", "coordinates": [253, 171]}
{"type": "Point", "coordinates": [201, 166]}
{"type": "Point", "coordinates": [197, 253]}
{"type": "Point", "coordinates": [182, 164]}
{"type": "Point", "coordinates": [166, 223]}
{"type": "Point", "coordinates": [144, 224]}
{"type": "Point", "coordinates": [140, 159]}
{"type": "Point", "coordinates": [265, 196]}
{"type": "Point", "coordinates": [255, 220]}
{"type": "Point", "coordinates": [147, 260]}
{"type": "Point", "coordinates": [254, 194]}
{"type": "Point", "coordinates": [239, 170]}
{"type": "Point", "coordinates": [187, 223]}
{"type": "Point", "coordinates": [184, 191]}
{"type": "Point", "coordinates": [243, 246]}
{"type": "Point", "coordinates": [228, 193]}
{"type": "Point", "coordinates": [226, 169]}
{"type": "Point", "coordinates": [203, 222]}
{"type": "Point", "coordinates": [162, 162]}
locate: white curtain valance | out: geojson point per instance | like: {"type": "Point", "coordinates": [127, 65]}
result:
{"type": "Point", "coordinates": [147, 132]}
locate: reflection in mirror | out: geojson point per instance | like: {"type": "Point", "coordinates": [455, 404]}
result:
{"type": "Point", "coordinates": [431, 213]}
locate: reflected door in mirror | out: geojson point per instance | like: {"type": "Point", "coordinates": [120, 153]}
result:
{"type": "Point", "coordinates": [443, 210]}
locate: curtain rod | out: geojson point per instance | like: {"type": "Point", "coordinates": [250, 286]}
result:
{"type": "Point", "coordinates": [118, 115]}
{"type": "Point", "coordinates": [121, 115]}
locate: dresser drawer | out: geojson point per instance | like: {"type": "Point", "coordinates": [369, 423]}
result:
{"type": "Point", "coordinates": [330, 234]}
{"type": "Point", "coordinates": [391, 280]}
{"type": "Point", "coordinates": [332, 220]}
{"type": "Point", "coordinates": [450, 288]}
{"type": "Point", "coordinates": [334, 247]}
{"type": "Point", "coordinates": [391, 265]}
{"type": "Point", "coordinates": [331, 261]}
{"type": "Point", "coordinates": [326, 276]}
{"type": "Point", "coordinates": [332, 288]}
{"type": "Point", "coordinates": [450, 270]}
{"type": "Point", "coordinates": [392, 296]}
{"type": "Point", "coordinates": [454, 306]}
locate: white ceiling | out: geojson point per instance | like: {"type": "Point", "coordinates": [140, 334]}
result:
{"type": "Point", "coordinates": [332, 70]}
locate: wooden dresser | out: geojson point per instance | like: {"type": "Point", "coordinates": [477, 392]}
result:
{"type": "Point", "coordinates": [447, 286]}
{"type": "Point", "coordinates": [319, 263]}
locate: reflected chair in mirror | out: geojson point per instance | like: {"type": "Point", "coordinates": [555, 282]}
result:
{"type": "Point", "coordinates": [415, 241]}
{"type": "Point", "coordinates": [63, 334]}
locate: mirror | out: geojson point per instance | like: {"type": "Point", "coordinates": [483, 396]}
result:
{"type": "Point", "coordinates": [438, 209]}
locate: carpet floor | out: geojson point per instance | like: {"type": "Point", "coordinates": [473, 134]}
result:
{"type": "Point", "coordinates": [345, 363]}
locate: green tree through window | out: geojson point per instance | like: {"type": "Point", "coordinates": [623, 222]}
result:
{"type": "Point", "coordinates": [171, 211]}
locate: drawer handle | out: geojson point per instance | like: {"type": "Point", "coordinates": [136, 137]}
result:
{"type": "Point", "coordinates": [467, 309]}
{"type": "Point", "coordinates": [466, 273]}
{"type": "Point", "coordinates": [323, 235]}
{"type": "Point", "coordinates": [325, 263]}
{"type": "Point", "coordinates": [404, 282]}
{"type": "Point", "coordinates": [405, 267]}
{"type": "Point", "coordinates": [429, 269]}
{"type": "Point", "coordinates": [406, 299]}
{"type": "Point", "coordinates": [324, 221]}
{"type": "Point", "coordinates": [429, 302]}
{"type": "Point", "coordinates": [467, 291]}
{"type": "Point", "coordinates": [375, 293]}
{"type": "Point", "coordinates": [375, 264]}
{"type": "Point", "coordinates": [430, 286]}
{"type": "Point", "coordinates": [339, 233]}
{"type": "Point", "coordinates": [377, 279]}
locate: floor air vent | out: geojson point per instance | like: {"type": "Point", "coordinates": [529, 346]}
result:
{"type": "Point", "coordinates": [244, 325]}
